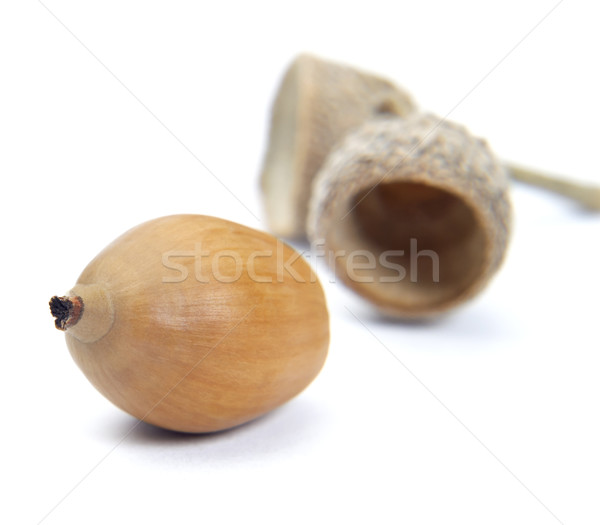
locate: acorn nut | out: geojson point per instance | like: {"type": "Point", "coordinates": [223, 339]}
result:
{"type": "Point", "coordinates": [196, 324]}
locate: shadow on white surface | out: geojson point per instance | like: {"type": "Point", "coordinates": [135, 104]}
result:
{"type": "Point", "coordinates": [297, 424]}
{"type": "Point", "coordinates": [472, 321]}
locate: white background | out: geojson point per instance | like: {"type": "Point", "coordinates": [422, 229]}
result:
{"type": "Point", "coordinates": [490, 415]}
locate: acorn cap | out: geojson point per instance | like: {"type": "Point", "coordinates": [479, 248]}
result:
{"type": "Point", "coordinates": [317, 104]}
{"type": "Point", "coordinates": [415, 210]}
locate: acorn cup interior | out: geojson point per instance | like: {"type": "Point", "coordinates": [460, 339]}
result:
{"type": "Point", "coordinates": [410, 246]}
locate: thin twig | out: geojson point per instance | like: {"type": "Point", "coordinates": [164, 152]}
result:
{"type": "Point", "coordinates": [588, 195]}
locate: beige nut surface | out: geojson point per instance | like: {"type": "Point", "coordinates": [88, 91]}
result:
{"type": "Point", "coordinates": [192, 323]}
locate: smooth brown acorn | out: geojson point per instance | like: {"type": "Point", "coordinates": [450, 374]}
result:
{"type": "Point", "coordinates": [195, 323]}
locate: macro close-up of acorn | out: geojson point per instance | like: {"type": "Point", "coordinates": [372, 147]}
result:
{"type": "Point", "coordinates": [328, 262]}
{"type": "Point", "coordinates": [196, 324]}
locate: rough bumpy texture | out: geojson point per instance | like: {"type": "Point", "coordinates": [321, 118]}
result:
{"type": "Point", "coordinates": [422, 151]}
{"type": "Point", "coordinates": [318, 103]}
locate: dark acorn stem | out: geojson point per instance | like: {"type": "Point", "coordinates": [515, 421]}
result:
{"type": "Point", "coordinates": [66, 311]}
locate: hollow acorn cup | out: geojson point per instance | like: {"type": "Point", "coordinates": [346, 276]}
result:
{"type": "Point", "coordinates": [196, 324]}
{"type": "Point", "coordinates": [428, 205]}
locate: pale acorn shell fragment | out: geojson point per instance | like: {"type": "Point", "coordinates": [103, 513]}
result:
{"type": "Point", "coordinates": [317, 104]}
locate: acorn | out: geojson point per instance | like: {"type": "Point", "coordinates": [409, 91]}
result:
{"type": "Point", "coordinates": [416, 213]}
{"type": "Point", "coordinates": [413, 212]}
{"type": "Point", "coordinates": [317, 104]}
{"type": "Point", "coordinates": [196, 324]}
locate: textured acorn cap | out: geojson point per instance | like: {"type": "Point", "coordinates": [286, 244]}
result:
{"type": "Point", "coordinates": [317, 104]}
{"type": "Point", "coordinates": [411, 192]}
